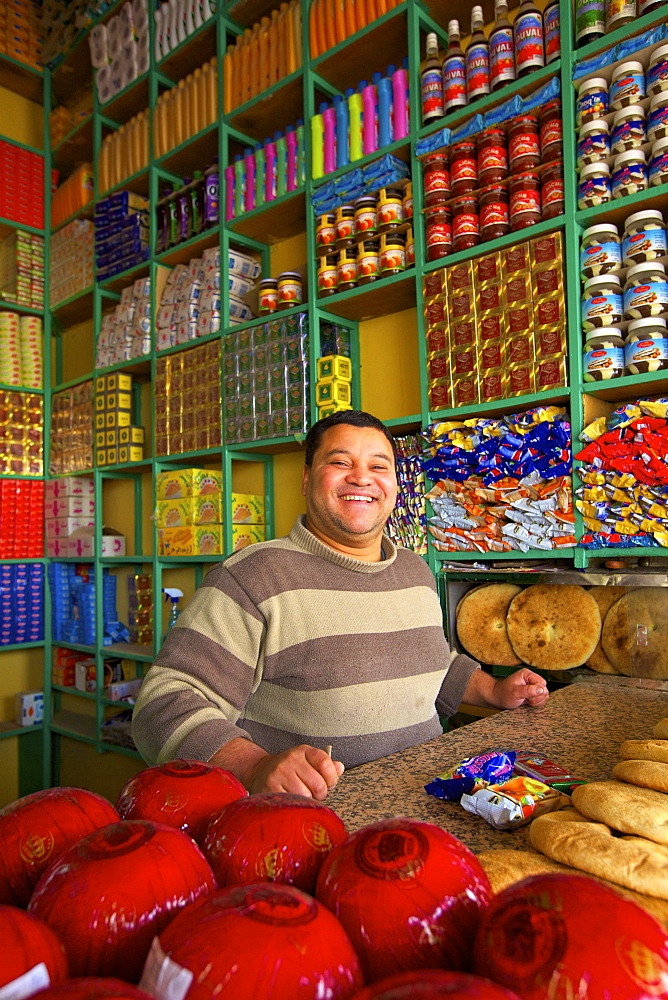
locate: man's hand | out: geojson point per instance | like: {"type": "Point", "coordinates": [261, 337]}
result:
{"type": "Point", "coordinates": [302, 770]}
{"type": "Point", "coordinates": [524, 687]}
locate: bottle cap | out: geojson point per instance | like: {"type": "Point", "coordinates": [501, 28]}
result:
{"type": "Point", "coordinates": [323, 107]}
{"type": "Point", "coordinates": [390, 70]}
{"type": "Point", "coordinates": [337, 99]}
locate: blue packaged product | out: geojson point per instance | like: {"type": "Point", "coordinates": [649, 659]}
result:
{"type": "Point", "coordinates": [471, 774]}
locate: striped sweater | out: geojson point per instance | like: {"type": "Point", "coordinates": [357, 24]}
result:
{"type": "Point", "coordinates": [290, 642]}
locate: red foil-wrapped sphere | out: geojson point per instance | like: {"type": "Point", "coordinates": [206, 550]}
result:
{"type": "Point", "coordinates": [409, 894]}
{"type": "Point", "coordinates": [29, 949]}
{"type": "Point", "coordinates": [35, 830]}
{"type": "Point", "coordinates": [94, 988]}
{"type": "Point", "coordinates": [253, 942]}
{"type": "Point", "coordinates": [432, 984]}
{"type": "Point", "coordinates": [187, 794]}
{"type": "Point", "coordinates": [554, 936]}
{"type": "Point", "coordinates": [272, 837]}
{"type": "Point", "coordinates": [109, 894]}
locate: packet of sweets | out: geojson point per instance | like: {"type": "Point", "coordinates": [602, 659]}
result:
{"type": "Point", "coordinates": [471, 774]}
{"type": "Point", "coordinates": [514, 803]}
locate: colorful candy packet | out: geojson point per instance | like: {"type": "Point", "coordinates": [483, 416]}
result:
{"type": "Point", "coordinates": [514, 803]}
{"type": "Point", "coordinates": [472, 774]}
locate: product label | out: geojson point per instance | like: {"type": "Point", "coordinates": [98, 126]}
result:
{"type": "Point", "coordinates": [392, 259]}
{"type": "Point", "coordinates": [465, 224]}
{"type": "Point", "coordinates": [552, 192]}
{"type": "Point", "coordinates": [436, 181]}
{"type": "Point", "coordinates": [528, 40]}
{"type": "Point", "coordinates": [346, 271]}
{"type": "Point", "coordinates": [658, 171]}
{"type": "Point", "coordinates": [594, 147]}
{"type": "Point", "coordinates": [522, 202]}
{"type": "Point", "coordinates": [454, 82]}
{"type": "Point", "coordinates": [646, 355]}
{"type": "Point", "coordinates": [501, 56]}
{"type": "Point", "coordinates": [365, 220]}
{"type": "Point", "coordinates": [601, 310]}
{"type": "Point", "coordinates": [657, 120]}
{"type": "Point", "coordinates": [628, 135]}
{"type": "Point", "coordinates": [326, 277]}
{"type": "Point", "coordinates": [647, 245]}
{"type": "Point", "coordinates": [600, 259]}
{"type": "Point", "coordinates": [603, 364]}
{"type": "Point", "coordinates": [650, 299]}
{"type": "Point", "coordinates": [437, 233]}
{"type": "Point", "coordinates": [627, 90]}
{"type": "Point", "coordinates": [550, 131]}
{"type": "Point", "coordinates": [344, 229]}
{"type": "Point", "coordinates": [432, 94]}
{"type": "Point", "coordinates": [494, 214]}
{"type": "Point", "coordinates": [593, 191]}
{"type": "Point", "coordinates": [589, 18]}
{"type": "Point", "coordinates": [523, 144]}
{"type": "Point", "coordinates": [325, 235]}
{"type": "Point", "coordinates": [628, 179]}
{"type": "Point", "coordinates": [464, 169]}
{"type": "Point", "coordinates": [367, 264]}
{"type": "Point", "coordinates": [616, 9]}
{"type": "Point", "coordinates": [552, 23]}
{"type": "Point", "coordinates": [593, 104]}
{"type": "Point", "coordinates": [492, 158]}
{"type": "Point", "coordinates": [477, 70]}
{"type": "Point", "coordinates": [657, 76]}
{"type": "Point", "coordinates": [389, 212]}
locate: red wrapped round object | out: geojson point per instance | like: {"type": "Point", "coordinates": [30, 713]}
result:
{"type": "Point", "coordinates": [432, 984]}
{"type": "Point", "coordinates": [409, 894]}
{"type": "Point", "coordinates": [554, 936]}
{"type": "Point", "coordinates": [35, 830]}
{"type": "Point", "coordinates": [187, 794]}
{"type": "Point", "coordinates": [94, 988]}
{"type": "Point", "coordinates": [253, 942]}
{"type": "Point", "coordinates": [29, 949]}
{"type": "Point", "coordinates": [272, 837]}
{"type": "Point", "coordinates": [109, 894]}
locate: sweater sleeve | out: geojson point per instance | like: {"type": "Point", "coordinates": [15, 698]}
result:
{"type": "Point", "coordinates": [454, 685]}
{"type": "Point", "coordinates": [195, 693]}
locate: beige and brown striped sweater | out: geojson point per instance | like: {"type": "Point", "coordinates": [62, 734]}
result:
{"type": "Point", "coordinates": [290, 642]}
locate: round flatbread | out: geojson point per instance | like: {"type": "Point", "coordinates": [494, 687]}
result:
{"type": "Point", "coordinates": [646, 773]}
{"type": "Point", "coordinates": [645, 750]}
{"type": "Point", "coordinates": [605, 597]}
{"type": "Point", "coordinates": [661, 730]}
{"type": "Point", "coordinates": [553, 626]}
{"type": "Point", "coordinates": [468, 594]}
{"type": "Point", "coordinates": [481, 624]}
{"type": "Point", "coordinates": [635, 633]}
{"type": "Point", "coordinates": [627, 808]}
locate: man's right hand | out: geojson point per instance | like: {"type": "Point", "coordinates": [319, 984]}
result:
{"type": "Point", "coordinates": [301, 770]}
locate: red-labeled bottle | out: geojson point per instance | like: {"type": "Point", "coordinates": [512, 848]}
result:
{"type": "Point", "coordinates": [492, 156]}
{"type": "Point", "coordinates": [477, 58]}
{"type": "Point", "coordinates": [528, 35]}
{"type": "Point", "coordinates": [501, 48]}
{"type": "Point", "coordinates": [463, 167]}
{"type": "Point", "coordinates": [454, 70]}
{"type": "Point", "coordinates": [436, 179]}
{"type": "Point", "coordinates": [431, 82]}
{"type": "Point", "coordinates": [465, 223]}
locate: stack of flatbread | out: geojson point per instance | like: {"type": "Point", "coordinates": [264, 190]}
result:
{"type": "Point", "coordinates": [617, 832]}
{"type": "Point", "coordinates": [634, 636]}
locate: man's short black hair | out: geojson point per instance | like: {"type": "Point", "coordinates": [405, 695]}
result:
{"type": "Point", "coordinates": [358, 418]}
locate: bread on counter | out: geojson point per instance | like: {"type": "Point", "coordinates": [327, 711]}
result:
{"type": "Point", "coordinates": [645, 750]}
{"type": "Point", "coordinates": [661, 730]}
{"type": "Point", "coordinates": [646, 773]}
{"type": "Point", "coordinates": [624, 807]}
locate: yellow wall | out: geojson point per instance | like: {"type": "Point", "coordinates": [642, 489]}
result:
{"type": "Point", "coordinates": [21, 120]}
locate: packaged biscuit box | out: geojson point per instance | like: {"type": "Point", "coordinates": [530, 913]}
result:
{"type": "Point", "coordinates": [178, 483]}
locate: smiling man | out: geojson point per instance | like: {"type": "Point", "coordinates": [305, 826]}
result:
{"type": "Point", "coordinates": [331, 636]}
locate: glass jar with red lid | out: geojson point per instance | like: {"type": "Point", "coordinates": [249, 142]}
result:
{"type": "Point", "coordinates": [436, 179]}
{"type": "Point", "coordinates": [438, 231]}
{"type": "Point", "coordinates": [523, 143]}
{"type": "Point", "coordinates": [552, 190]}
{"type": "Point", "coordinates": [524, 200]}
{"type": "Point", "coordinates": [492, 156]}
{"type": "Point", "coordinates": [465, 223]}
{"type": "Point", "coordinates": [550, 132]}
{"type": "Point", "coordinates": [494, 213]}
{"type": "Point", "coordinates": [463, 168]}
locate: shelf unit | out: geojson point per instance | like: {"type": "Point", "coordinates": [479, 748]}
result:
{"type": "Point", "coordinates": [385, 318]}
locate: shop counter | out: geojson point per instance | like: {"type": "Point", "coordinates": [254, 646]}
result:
{"type": "Point", "coordinates": [581, 728]}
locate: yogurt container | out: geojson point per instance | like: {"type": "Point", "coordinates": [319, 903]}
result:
{"type": "Point", "coordinates": [602, 302]}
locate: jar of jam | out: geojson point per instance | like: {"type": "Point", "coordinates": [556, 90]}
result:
{"type": "Point", "coordinates": [550, 132]}
{"type": "Point", "coordinates": [325, 231]}
{"type": "Point", "coordinates": [408, 202]}
{"type": "Point", "coordinates": [523, 143]}
{"type": "Point", "coordinates": [410, 247]}
{"type": "Point", "coordinates": [438, 231]}
{"type": "Point", "coordinates": [368, 262]}
{"type": "Point", "coordinates": [390, 209]}
{"type": "Point", "coordinates": [327, 275]}
{"type": "Point", "coordinates": [492, 156]}
{"type": "Point", "coordinates": [629, 173]}
{"type": "Point", "coordinates": [594, 185]}
{"type": "Point", "coordinates": [552, 191]}
{"type": "Point", "coordinates": [268, 295]}
{"type": "Point", "coordinates": [366, 222]}
{"type": "Point", "coordinates": [463, 168]}
{"type": "Point", "coordinates": [658, 166]}
{"type": "Point", "coordinates": [628, 129]}
{"type": "Point", "coordinates": [344, 222]}
{"type": "Point", "coordinates": [465, 223]}
{"type": "Point", "coordinates": [289, 289]}
{"type": "Point", "coordinates": [524, 200]}
{"type": "Point", "coordinates": [346, 269]}
{"type": "Point", "coordinates": [392, 254]}
{"type": "Point", "coordinates": [593, 142]}
{"type": "Point", "coordinates": [436, 179]}
{"type": "Point", "coordinates": [494, 212]}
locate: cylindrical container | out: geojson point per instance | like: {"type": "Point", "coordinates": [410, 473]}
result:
{"type": "Point", "coordinates": [436, 179]}
{"type": "Point", "coordinates": [494, 212]}
{"type": "Point", "coordinates": [346, 269]}
{"type": "Point", "coordinates": [408, 202]}
{"type": "Point", "coordinates": [344, 222]}
{"type": "Point", "coordinates": [289, 289]}
{"type": "Point", "coordinates": [523, 143]}
{"type": "Point", "coordinates": [463, 168]}
{"type": "Point", "coordinates": [552, 190]}
{"type": "Point", "coordinates": [410, 247]}
{"type": "Point", "coordinates": [603, 356]}
{"type": "Point", "coordinates": [392, 254]}
{"type": "Point", "coordinates": [366, 221]}
{"type": "Point", "coordinates": [657, 118]}
{"type": "Point", "coordinates": [325, 230]}
{"type": "Point", "coordinates": [552, 26]}
{"type": "Point", "coordinates": [646, 291]}
{"type": "Point", "coordinates": [644, 237]}
{"type": "Point", "coordinates": [647, 6]}
{"type": "Point", "coordinates": [658, 165]}
{"type": "Point", "coordinates": [629, 173]}
{"type": "Point", "coordinates": [389, 209]}
{"type": "Point", "coordinates": [268, 295]}
{"type": "Point", "coordinates": [438, 231]}
{"type": "Point", "coordinates": [368, 262]}
{"type": "Point", "coordinates": [628, 129]}
{"type": "Point", "coordinates": [592, 100]}
{"type": "Point", "coordinates": [524, 200]}
{"type": "Point", "coordinates": [594, 185]}
{"type": "Point", "coordinates": [601, 251]}
{"type": "Point", "coordinates": [550, 132]}
{"type": "Point", "coordinates": [627, 85]}
{"type": "Point", "coordinates": [646, 346]}
{"type": "Point", "coordinates": [528, 37]}
{"type": "Point", "coordinates": [492, 156]}
{"type": "Point", "coordinates": [619, 13]}
{"type": "Point", "coordinates": [593, 142]}
{"type": "Point", "coordinates": [589, 20]}
{"type": "Point", "coordinates": [657, 71]}
{"type": "Point", "coordinates": [602, 302]}
{"type": "Point", "coordinates": [327, 276]}
{"type": "Point", "coordinates": [465, 223]}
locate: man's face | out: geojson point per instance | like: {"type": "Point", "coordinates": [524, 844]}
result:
{"type": "Point", "coordinates": [351, 486]}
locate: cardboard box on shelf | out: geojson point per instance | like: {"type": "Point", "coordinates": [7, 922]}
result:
{"type": "Point", "coordinates": [28, 707]}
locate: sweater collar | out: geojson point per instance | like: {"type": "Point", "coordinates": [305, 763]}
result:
{"type": "Point", "coordinates": [307, 541]}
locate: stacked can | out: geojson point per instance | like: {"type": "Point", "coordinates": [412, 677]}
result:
{"type": "Point", "coordinates": [625, 298]}
{"type": "Point", "coordinates": [30, 348]}
{"type": "Point", "coordinates": [623, 129]}
{"type": "Point", "coordinates": [10, 353]}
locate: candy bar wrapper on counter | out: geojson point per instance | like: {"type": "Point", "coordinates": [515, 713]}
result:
{"type": "Point", "coordinates": [514, 803]}
{"type": "Point", "coordinates": [471, 774]}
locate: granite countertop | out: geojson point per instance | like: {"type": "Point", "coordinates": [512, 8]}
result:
{"type": "Point", "coordinates": [581, 728]}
